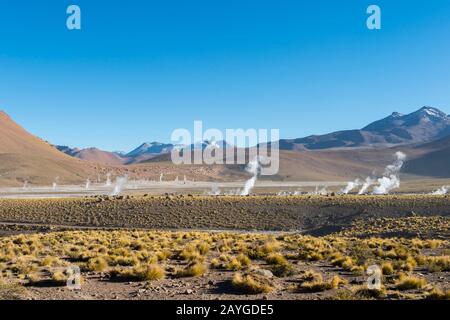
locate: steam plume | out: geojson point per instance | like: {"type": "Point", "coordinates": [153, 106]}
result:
{"type": "Point", "coordinates": [215, 191]}
{"type": "Point", "coordinates": [440, 192]}
{"type": "Point", "coordinates": [391, 179]}
{"type": "Point", "coordinates": [288, 193]}
{"type": "Point", "coordinates": [366, 185]}
{"type": "Point", "coordinates": [108, 179]}
{"type": "Point", "coordinates": [120, 184]}
{"type": "Point", "coordinates": [55, 183]}
{"type": "Point", "coordinates": [319, 192]}
{"type": "Point", "coordinates": [350, 186]}
{"type": "Point", "coordinates": [254, 168]}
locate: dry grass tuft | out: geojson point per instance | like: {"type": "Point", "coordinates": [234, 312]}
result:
{"type": "Point", "coordinates": [196, 269]}
{"type": "Point", "coordinates": [387, 268]}
{"type": "Point", "coordinates": [11, 292]}
{"type": "Point", "coordinates": [315, 283]}
{"type": "Point", "coordinates": [366, 293]}
{"type": "Point", "coordinates": [406, 282]}
{"type": "Point", "coordinates": [276, 259]}
{"type": "Point", "coordinates": [98, 264]}
{"type": "Point", "coordinates": [251, 284]}
{"type": "Point", "coordinates": [438, 264]}
{"type": "Point", "coordinates": [438, 294]}
{"type": "Point", "coordinates": [59, 278]}
{"type": "Point", "coordinates": [152, 273]}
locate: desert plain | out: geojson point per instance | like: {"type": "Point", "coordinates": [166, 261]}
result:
{"type": "Point", "coordinates": [202, 247]}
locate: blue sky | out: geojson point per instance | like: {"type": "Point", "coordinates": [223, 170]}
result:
{"type": "Point", "coordinates": [140, 69]}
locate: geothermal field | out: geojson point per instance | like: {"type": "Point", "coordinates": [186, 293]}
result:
{"type": "Point", "coordinates": [181, 239]}
{"type": "Point", "coordinates": [77, 229]}
{"type": "Point", "coordinates": [152, 240]}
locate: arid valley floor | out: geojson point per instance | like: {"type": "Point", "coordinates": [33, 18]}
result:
{"type": "Point", "coordinates": [226, 247]}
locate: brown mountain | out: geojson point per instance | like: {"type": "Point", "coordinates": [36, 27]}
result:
{"type": "Point", "coordinates": [100, 156]}
{"type": "Point", "coordinates": [94, 155]}
{"type": "Point", "coordinates": [24, 157]}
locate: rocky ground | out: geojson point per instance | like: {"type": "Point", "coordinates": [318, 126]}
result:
{"type": "Point", "coordinates": [330, 244]}
{"type": "Point", "coordinates": [142, 265]}
{"type": "Point", "coordinates": [316, 215]}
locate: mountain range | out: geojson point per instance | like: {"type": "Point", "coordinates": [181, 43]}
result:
{"type": "Point", "coordinates": [424, 125]}
{"type": "Point", "coordinates": [423, 135]}
{"type": "Point", "coordinates": [143, 153]}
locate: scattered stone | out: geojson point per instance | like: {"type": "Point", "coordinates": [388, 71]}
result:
{"type": "Point", "coordinates": [265, 273]}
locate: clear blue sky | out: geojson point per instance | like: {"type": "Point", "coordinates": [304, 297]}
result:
{"type": "Point", "coordinates": [139, 69]}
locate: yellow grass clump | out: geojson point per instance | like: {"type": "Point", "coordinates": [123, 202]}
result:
{"type": "Point", "coordinates": [406, 282]}
{"type": "Point", "coordinates": [276, 259]}
{"type": "Point", "coordinates": [98, 264]}
{"type": "Point", "coordinates": [196, 269]}
{"type": "Point", "coordinates": [152, 272]}
{"type": "Point", "coordinates": [251, 284]}
{"type": "Point", "coordinates": [363, 292]}
{"type": "Point", "coordinates": [438, 264]}
{"type": "Point", "coordinates": [387, 268]}
{"type": "Point", "coordinates": [318, 284]}
{"type": "Point", "coordinates": [438, 294]}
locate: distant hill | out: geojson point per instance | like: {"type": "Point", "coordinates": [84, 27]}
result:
{"type": "Point", "coordinates": [93, 154]}
{"type": "Point", "coordinates": [431, 159]}
{"type": "Point", "coordinates": [148, 150]}
{"type": "Point", "coordinates": [424, 125]}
